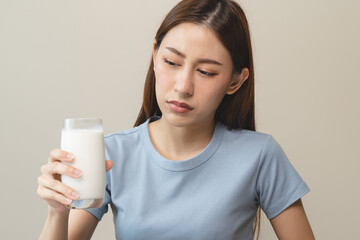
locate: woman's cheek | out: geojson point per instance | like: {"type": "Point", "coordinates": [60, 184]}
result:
{"type": "Point", "coordinates": [161, 85]}
{"type": "Point", "coordinates": [163, 78]}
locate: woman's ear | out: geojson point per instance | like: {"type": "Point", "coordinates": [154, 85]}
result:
{"type": "Point", "coordinates": [237, 81]}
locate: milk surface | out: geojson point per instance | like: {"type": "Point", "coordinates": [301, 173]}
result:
{"type": "Point", "coordinates": [89, 156]}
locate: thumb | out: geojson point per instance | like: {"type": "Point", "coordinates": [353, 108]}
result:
{"type": "Point", "coordinates": [108, 164]}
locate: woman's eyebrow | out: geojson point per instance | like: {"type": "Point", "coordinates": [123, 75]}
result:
{"type": "Point", "coordinates": [177, 52]}
{"type": "Point", "coordinates": [203, 60]}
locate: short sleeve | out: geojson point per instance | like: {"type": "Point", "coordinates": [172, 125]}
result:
{"type": "Point", "coordinates": [99, 212]}
{"type": "Point", "coordinates": [278, 184]}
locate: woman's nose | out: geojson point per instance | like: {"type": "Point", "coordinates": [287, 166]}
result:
{"type": "Point", "coordinates": [184, 83]}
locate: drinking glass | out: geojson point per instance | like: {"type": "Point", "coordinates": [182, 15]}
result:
{"type": "Point", "coordinates": [84, 137]}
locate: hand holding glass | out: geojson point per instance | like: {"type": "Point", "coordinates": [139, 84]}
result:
{"type": "Point", "coordinates": [84, 137]}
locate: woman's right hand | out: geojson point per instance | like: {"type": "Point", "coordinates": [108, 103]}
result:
{"type": "Point", "coordinates": [50, 187]}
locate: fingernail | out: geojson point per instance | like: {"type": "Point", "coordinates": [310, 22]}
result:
{"type": "Point", "coordinates": [77, 172]}
{"type": "Point", "coordinates": [68, 201]}
{"type": "Point", "coordinates": [75, 195]}
{"type": "Point", "coordinates": [69, 156]}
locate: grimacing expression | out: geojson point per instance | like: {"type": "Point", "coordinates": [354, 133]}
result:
{"type": "Point", "coordinates": [193, 73]}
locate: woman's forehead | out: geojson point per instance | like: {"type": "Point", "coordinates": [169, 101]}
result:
{"type": "Point", "coordinates": [194, 39]}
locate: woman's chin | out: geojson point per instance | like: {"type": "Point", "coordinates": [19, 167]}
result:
{"type": "Point", "coordinates": [178, 120]}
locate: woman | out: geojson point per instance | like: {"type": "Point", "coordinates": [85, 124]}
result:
{"type": "Point", "coordinates": [193, 167]}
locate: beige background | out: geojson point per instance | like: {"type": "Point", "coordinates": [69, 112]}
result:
{"type": "Point", "coordinates": [62, 59]}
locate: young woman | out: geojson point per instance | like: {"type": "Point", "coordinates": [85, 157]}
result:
{"type": "Point", "coordinates": [193, 167]}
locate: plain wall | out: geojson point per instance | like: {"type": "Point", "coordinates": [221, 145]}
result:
{"type": "Point", "coordinates": [65, 59]}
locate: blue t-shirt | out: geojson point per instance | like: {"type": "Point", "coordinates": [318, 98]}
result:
{"type": "Point", "coordinates": [214, 195]}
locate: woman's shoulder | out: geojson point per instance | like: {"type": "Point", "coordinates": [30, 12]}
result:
{"type": "Point", "coordinates": [247, 135]}
{"type": "Point", "coordinates": [249, 132]}
{"type": "Point", "coordinates": [121, 143]}
{"type": "Point", "coordinates": [256, 140]}
{"type": "Point", "coordinates": [128, 136]}
{"type": "Point", "coordinates": [123, 133]}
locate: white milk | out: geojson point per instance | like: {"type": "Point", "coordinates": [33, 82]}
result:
{"type": "Point", "coordinates": [89, 156]}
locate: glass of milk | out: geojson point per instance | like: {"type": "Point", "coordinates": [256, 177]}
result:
{"type": "Point", "coordinates": [84, 137]}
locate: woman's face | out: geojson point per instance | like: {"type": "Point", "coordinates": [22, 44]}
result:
{"type": "Point", "coordinates": [193, 73]}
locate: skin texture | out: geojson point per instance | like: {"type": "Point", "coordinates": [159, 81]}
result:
{"type": "Point", "coordinates": [292, 223]}
{"type": "Point", "coordinates": [186, 72]}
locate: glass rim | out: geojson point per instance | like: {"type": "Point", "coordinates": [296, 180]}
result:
{"type": "Point", "coordinates": [82, 123]}
{"type": "Point", "coordinates": [66, 119]}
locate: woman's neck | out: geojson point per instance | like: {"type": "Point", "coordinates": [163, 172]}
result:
{"type": "Point", "coordinates": [180, 143]}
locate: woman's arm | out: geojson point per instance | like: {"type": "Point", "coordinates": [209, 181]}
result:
{"type": "Point", "coordinates": [292, 223]}
{"type": "Point", "coordinates": [76, 224]}
{"type": "Point", "coordinates": [82, 225]}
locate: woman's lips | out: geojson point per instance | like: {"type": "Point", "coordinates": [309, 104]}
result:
{"type": "Point", "coordinates": [179, 107]}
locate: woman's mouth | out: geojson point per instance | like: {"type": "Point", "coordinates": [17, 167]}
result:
{"type": "Point", "coordinates": [179, 107]}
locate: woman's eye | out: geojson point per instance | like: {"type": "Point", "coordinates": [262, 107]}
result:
{"type": "Point", "coordinates": [208, 74]}
{"type": "Point", "coordinates": [171, 63]}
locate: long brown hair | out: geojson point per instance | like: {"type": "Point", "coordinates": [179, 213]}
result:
{"type": "Point", "coordinates": [228, 21]}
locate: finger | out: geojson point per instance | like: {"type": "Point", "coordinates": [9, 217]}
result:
{"type": "Point", "coordinates": [108, 164]}
{"type": "Point", "coordinates": [60, 168]}
{"type": "Point", "coordinates": [57, 186]}
{"type": "Point", "coordinates": [48, 195]}
{"type": "Point", "coordinates": [58, 154]}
